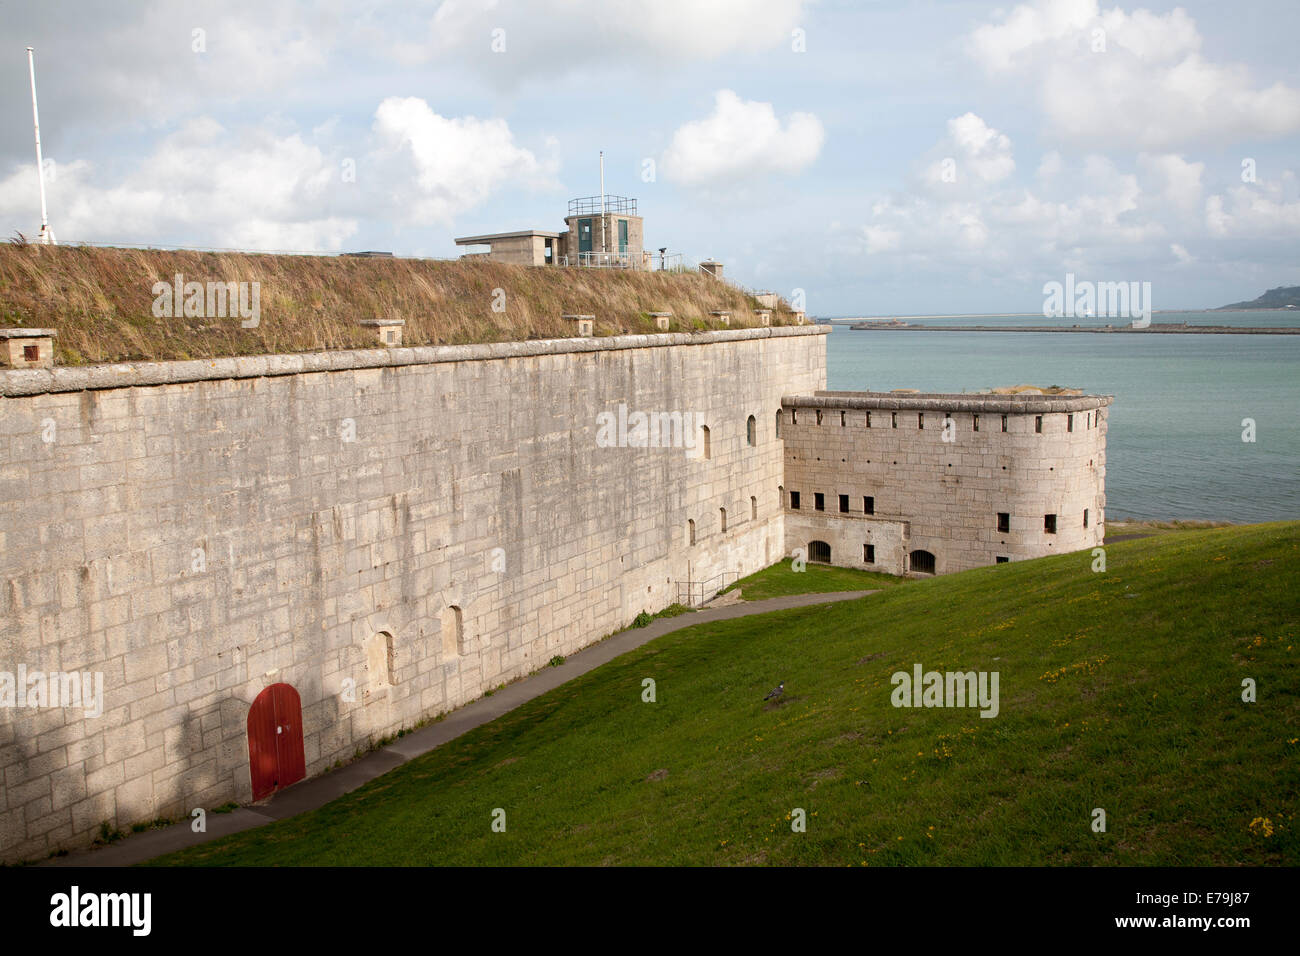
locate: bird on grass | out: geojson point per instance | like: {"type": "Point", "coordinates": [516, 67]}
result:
{"type": "Point", "coordinates": [780, 689]}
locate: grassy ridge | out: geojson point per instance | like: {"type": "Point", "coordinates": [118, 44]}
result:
{"type": "Point", "coordinates": [101, 301]}
{"type": "Point", "coordinates": [1119, 690]}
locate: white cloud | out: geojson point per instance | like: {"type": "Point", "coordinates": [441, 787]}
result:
{"type": "Point", "coordinates": [252, 188]}
{"type": "Point", "coordinates": [972, 154]}
{"type": "Point", "coordinates": [434, 167]}
{"type": "Point", "coordinates": [1122, 78]}
{"type": "Point", "coordinates": [538, 37]}
{"type": "Point", "coordinates": [741, 138]}
{"type": "Point", "coordinates": [1267, 209]}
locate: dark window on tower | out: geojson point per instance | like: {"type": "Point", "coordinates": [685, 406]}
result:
{"type": "Point", "coordinates": [975, 423]}
{"type": "Point", "coordinates": [690, 526]}
{"type": "Point", "coordinates": [819, 501]}
{"type": "Point", "coordinates": [753, 507]}
{"type": "Point", "coordinates": [868, 554]}
{"type": "Point", "coordinates": [794, 416]}
{"type": "Point", "coordinates": [1002, 559]}
{"type": "Point", "coordinates": [819, 416]}
{"type": "Point", "coordinates": [868, 419]}
{"type": "Point", "coordinates": [1085, 517]}
{"type": "Point", "coordinates": [1049, 524]}
{"type": "Point", "coordinates": [844, 503]}
{"type": "Point", "coordinates": [1004, 423]}
{"type": "Point", "coordinates": [794, 500]}
{"type": "Point", "coordinates": [1038, 423]}
{"type": "Point", "coordinates": [920, 419]}
{"type": "Point", "coordinates": [723, 513]}
{"type": "Point", "coordinates": [844, 419]}
{"type": "Point", "coordinates": [868, 505]}
{"type": "Point", "coordinates": [751, 430]}
{"type": "Point", "coordinates": [1069, 423]}
{"type": "Point", "coordinates": [1004, 521]}
{"type": "Point", "coordinates": [893, 419]}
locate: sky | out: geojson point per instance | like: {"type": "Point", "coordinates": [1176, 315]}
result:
{"type": "Point", "coordinates": [880, 158]}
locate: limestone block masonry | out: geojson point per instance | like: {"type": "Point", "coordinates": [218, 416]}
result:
{"type": "Point", "coordinates": [389, 531]}
{"type": "Point", "coordinates": [1012, 477]}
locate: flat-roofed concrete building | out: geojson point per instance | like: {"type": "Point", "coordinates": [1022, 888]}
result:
{"type": "Point", "coordinates": [527, 247]}
{"type": "Point", "coordinates": [604, 232]}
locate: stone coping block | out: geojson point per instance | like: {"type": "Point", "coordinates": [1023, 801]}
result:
{"type": "Point", "coordinates": [28, 333]}
{"type": "Point", "coordinates": [942, 402]}
{"type": "Point", "coordinates": [37, 381]}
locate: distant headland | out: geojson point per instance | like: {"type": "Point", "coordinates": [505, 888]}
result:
{"type": "Point", "coordinates": [1283, 297]}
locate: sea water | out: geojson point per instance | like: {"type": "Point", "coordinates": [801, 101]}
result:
{"type": "Point", "coordinates": [1174, 445]}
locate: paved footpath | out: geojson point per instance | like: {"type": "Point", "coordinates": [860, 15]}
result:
{"type": "Point", "coordinates": [318, 791]}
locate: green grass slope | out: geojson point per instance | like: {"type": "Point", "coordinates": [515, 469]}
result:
{"type": "Point", "coordinates": [1118, 690]}
{"type": "Point", "coordinates": [781, 579]}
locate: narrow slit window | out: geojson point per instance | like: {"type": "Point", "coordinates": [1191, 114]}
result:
{"type": "Point", "coordinates": [1038, 424]}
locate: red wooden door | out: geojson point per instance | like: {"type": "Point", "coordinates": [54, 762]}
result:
{"type": "Point", "coordinates": [275, 746]}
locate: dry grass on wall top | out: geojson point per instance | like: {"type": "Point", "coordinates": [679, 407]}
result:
{"type": "Point", "coordinates": [101, 301]}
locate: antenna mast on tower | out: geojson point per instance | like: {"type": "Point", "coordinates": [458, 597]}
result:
{"type": "Point", "coordinates": [47, 235]}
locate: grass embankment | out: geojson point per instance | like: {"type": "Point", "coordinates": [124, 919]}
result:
{"type": "Point", "coordinates": [781, 579]}
{"type": "Point", "coordinates": [1119, 690]}
{"type": "Point", "coordinates": [101, 301]}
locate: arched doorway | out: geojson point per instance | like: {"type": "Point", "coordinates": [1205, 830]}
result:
{"type": "Point", "coordinates": [819, 551]}
{"type": "Point", "coordinates": [921, 562]}
{"type": "Point", "coordinates": [275, 751]}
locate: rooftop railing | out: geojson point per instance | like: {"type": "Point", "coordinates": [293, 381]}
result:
{"type": "Point", "coordinates": [591, 205]}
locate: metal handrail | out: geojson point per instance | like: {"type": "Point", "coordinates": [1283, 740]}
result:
{"type": "Point", "coordinates": [591, 205]}
{"type": "Point", "coordinates": [706, 589]}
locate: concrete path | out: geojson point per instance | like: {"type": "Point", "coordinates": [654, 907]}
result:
{"type": "Point", "coordinates": [318, 791]}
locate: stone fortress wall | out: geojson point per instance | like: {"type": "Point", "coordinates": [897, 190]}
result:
{"type": "Point", "coordinates": [390, 532]}
{"type": "Point", "coordinates": [1020, 476]}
